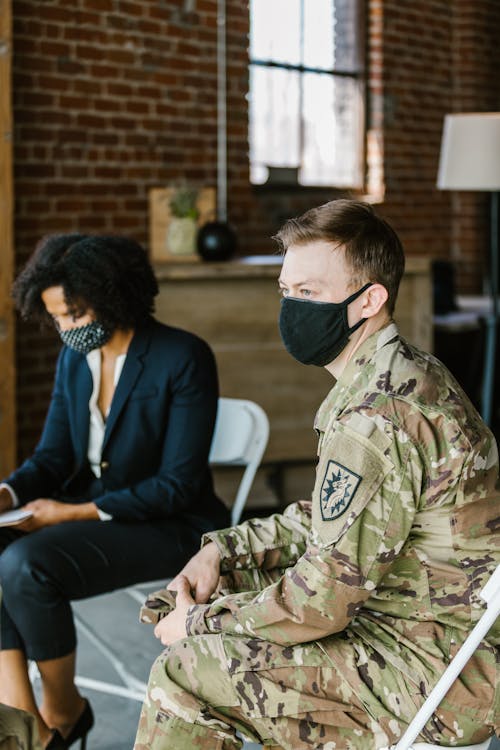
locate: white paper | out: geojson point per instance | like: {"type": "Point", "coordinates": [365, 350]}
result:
{"type": "Point", "coordinates": [12, 517]}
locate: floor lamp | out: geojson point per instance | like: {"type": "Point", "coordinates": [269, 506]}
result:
{"type": "Point", "coordinates": [470, 160]}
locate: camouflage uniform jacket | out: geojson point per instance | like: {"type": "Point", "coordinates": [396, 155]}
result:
{"type": "Point", "coordinates": [404, 529]}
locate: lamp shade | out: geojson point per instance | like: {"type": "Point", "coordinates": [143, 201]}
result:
{"type": "Point", "coordinates": [470, 152]}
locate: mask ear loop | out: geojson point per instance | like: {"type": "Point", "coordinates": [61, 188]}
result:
{"type": "Point", "coordinates": [358, 293]}
{"type": "Point", "coordinates": [348, 301]}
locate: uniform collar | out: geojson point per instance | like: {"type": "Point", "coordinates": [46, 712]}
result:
{"type": "Point", "coordinates": [352, 379]}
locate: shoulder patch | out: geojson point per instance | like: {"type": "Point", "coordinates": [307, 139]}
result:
{"type": "Point", "coordinates": [337, 490]}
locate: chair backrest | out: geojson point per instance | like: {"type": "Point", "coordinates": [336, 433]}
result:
{"type": "Point", "coordinates": [240, 439]}
{"type": "Point", "coordinates": [491, 595]}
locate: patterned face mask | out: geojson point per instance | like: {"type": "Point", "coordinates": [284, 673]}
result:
{"type": "Point", "coordinates": [85, 338]}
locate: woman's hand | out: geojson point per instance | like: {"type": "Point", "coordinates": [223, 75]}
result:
{"type": "Point", "coordinates": [173, 627]}
{"type": "Point", "coordinates": [202, 573]}
{"type": "Point", "coordinates": [47, 512]}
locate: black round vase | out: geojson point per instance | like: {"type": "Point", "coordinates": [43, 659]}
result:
{"type": "Point", "coordinates": [216, 241]}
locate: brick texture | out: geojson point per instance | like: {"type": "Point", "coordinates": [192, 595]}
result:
{"type": "Point", "coordinates": [113, 97]}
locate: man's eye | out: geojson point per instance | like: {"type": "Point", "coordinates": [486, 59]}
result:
{"type": "Point", "coordinates": [283, 292]}
{"type": "Point", "coordinates": [306, 292]}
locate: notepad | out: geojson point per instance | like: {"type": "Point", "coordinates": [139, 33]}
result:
{"type": "Point", "coordinates": [13, 517]}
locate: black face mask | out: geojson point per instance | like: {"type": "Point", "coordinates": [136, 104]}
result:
{"type": "Point", "coordinates": [85, 338]}
{"type": "Point", "coordinates": [316, 332]}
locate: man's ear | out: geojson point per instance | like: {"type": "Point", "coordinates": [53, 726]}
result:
{"type": "Point", "coordinates": [374, 299]}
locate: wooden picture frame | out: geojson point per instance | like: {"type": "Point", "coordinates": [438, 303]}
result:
{"type": "Point", "coordinates": [160, 217]}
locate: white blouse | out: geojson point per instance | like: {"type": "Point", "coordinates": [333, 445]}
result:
{"type": "Point", "coordinates": [97, 424]}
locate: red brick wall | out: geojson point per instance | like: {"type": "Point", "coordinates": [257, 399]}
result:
{"type": "Point", "coordinates": [438, 57]}
{"type": "Point", "coordinates": [114, 97]}
{"type": "Point", "coordinates": [476, 88]}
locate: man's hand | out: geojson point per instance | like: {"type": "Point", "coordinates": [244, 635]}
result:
{"type": "Point", "coordinates": [202, 573]}
{"type": "Point", "coordinates": [5, 500]}
{"type": "Point", "coordinates": [47, 512]}
{"type": "Point", "coordinates": [173, 627]}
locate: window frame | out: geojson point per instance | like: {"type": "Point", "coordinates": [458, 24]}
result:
{"type": "Point", "coordinates": [359, 75]}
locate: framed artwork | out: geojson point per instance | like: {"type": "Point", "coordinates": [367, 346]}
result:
{"type": "Point", "coordinates": [175, 215]}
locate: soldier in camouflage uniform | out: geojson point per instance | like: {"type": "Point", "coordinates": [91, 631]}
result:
{"type": "Point", "coordinates": [331, 622]}
{"type": "Point", "coordinates": [17, 730]}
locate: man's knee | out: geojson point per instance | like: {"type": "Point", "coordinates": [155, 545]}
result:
{"type": "Point", "coordinates": [182, 677]}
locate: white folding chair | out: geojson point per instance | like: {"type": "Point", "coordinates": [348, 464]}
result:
{"type": "Point", "coordinates": [240, 439]}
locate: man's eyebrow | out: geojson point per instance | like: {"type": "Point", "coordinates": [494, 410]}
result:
{"type": "Point", "coordinates": [305, 282]}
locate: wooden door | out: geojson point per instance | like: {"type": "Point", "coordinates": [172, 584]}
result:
{"type": "Point", "coordinates": [7, 352]}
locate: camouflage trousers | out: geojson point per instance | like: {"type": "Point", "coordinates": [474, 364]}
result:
{"type": "Point", "coordinates": [334, 693]}
{"type": "Point", "coordinates": [17, 730]}
{"type": "Point", "coordinates": [204, 689]}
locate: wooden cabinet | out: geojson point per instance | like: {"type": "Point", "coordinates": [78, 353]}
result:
{"type": "Point", "coordinates": [234, 306]}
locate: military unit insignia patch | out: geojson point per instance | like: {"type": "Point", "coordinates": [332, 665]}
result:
{"type": "Point", "coordinates": [337, 490]}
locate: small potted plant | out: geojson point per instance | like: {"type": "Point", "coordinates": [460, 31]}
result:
{"type": "Point", "coordinates": [183, 228]}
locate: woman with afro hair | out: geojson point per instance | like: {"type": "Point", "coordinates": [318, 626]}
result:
{"type": "Point", "coordinates": [118, 488]}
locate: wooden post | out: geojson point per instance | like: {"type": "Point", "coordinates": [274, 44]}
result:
{"type": "Point", "coordinates": [7, 352]}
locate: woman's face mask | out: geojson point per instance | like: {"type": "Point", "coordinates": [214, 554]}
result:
{"type": "Point", "coordinates": [85, 338]}
{"type": "Point", "coordinates": [315, 333]}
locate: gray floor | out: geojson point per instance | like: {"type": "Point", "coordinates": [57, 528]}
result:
{"type": "Point", "coordinates": [116, 617]}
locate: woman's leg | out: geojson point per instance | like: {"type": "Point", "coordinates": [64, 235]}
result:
{"type": "Point", "coordinates": [64, 704]}
{"type": "Point", "coordinates": [15, 685]}
{"type": "Point", "coordinates": [41, 572]}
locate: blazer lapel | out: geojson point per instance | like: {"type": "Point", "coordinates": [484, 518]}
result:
{"type": "Point", "coordinates": [80, 401]}
{"type": "Point", "coordinates": [132, 369]}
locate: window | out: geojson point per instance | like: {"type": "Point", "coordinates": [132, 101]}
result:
{"type": "Point", "coordinates": [306, 108]}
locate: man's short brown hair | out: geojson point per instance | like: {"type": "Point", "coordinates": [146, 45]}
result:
{"type": "Point", "coordinates": [373, 250]}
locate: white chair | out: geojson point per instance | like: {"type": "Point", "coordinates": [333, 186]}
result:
{"type": "Point", "coordinates": [240, 439]}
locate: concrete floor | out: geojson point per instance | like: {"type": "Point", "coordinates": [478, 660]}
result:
{"type": "Point", "coordinates": [115, 616]}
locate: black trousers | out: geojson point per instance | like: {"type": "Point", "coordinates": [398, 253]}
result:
{"type": "Point", "coordinates": [41, 572]}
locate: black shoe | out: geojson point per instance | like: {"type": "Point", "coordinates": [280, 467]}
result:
{"type": "Point", "coordinates": [56, 742]}
{"type": "Point", "coordinates": [81, 728]}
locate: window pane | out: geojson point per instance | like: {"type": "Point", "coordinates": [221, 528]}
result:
{"type": "Point", "coordinates": [318, 34]}
{"type": "Point", "coordinates": [275, 30]}
{"type": "Point", "coordinates": [274, 120]}
{"type": "Point", "coordinates": [347, 37]}
{"type": "Point", "coordinates": [332, 131]}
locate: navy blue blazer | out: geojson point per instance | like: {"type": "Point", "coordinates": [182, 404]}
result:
{"type": "Point", "coordinates": [157, 437]}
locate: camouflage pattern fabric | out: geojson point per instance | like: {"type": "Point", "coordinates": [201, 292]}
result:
{"type": "Point", "coordinates": [338, 617]}
{"type": "Point", "coordinates": [157, 605]}
{"type": "Point", "coordinates": [17, 730]}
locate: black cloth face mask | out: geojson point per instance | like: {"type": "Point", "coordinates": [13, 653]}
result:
{"type": "Point", "coordinates": [316, 332]}
{"type": "Point", "coordinates": [85, 338]}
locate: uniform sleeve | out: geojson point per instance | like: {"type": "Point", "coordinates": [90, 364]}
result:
{"type": "Point", "coordinates": [363, 506]}
{"type": "Point", "coordinates": [265, 543]}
